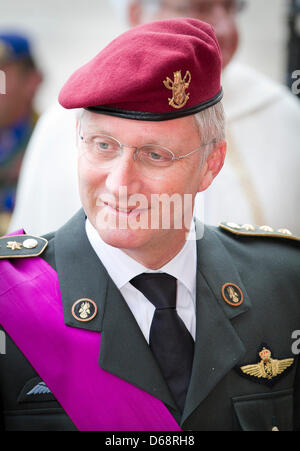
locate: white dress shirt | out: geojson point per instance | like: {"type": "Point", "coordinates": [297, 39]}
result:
{"type": "Point", "coordinates": [123, 268]}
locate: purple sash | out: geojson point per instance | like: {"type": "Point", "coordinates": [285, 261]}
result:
{"type": "Point", "coordinates": [66, 358]}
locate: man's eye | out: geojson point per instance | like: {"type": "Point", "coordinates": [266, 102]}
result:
{"type": "Point", "coordinates": [155, 156]}
{"type": "Point", "coordinates": [103, 146]}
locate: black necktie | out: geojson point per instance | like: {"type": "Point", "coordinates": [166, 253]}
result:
{"type": "Point", "coordinates": [170, 341]}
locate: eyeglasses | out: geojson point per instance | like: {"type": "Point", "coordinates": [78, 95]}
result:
{"type": "Point", "coordinates": [203, 8]}
{"type": "Point", "coordinates": [152, 159]}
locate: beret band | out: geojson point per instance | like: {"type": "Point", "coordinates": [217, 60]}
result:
{"type": "Point", "coordinates": [147, 116]}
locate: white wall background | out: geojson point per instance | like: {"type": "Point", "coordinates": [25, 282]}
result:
{"type": "Point", "coordinates": [67, 33]}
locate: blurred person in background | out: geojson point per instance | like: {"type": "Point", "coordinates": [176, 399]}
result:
{"type": "Point", "coordinates": [260, 182]}
{"type": "Point", "coordinates": [17, 115]}
{"type": "Point", "coordinates": [293, 66]}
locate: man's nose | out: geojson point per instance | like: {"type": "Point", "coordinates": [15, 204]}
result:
{"type": "Point", "coordinates": [124, 172]}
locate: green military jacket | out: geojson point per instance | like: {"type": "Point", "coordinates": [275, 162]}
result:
{"type": "Point", "coordinates": [245, 371]}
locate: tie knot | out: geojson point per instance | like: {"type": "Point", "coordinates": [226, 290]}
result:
{"type": "Point", "coordinates": [159, 288]}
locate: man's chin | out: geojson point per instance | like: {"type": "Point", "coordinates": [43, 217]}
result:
{"type": "Point", "coordinates": [124, 239]}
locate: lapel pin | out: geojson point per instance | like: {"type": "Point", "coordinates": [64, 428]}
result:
{"type": "Point", "coordinates": [232, 294]}
{"type": "Point", "coordinates": [84, 310]}
{"type": "Point", "coordinates": [268, 368]}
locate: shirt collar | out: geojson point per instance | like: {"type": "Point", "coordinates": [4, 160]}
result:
{"type": "Point", "coordinates": [123, 268]}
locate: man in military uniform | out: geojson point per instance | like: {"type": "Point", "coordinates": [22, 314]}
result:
{"type": "Point", "coordinates": [128, 319]}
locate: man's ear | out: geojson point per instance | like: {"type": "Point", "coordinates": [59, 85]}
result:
{"type": "Point", "coordinates": [134, 13]}
{"type": "Point", "coordinates": [212, 165]}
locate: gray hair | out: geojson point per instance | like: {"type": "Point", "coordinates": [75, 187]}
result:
{"type": "Point", "coordinates": [211, 125]}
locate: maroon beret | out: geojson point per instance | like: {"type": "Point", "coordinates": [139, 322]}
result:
{"type": "Point", "coordinates": [157, 71]}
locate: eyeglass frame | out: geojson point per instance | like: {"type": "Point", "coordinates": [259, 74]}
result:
{"type": "Point", "coordinates": [174, 157]}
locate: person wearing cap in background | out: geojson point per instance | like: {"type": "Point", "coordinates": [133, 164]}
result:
{"type": "Point", "coordinates": [262, 133]}
{"type": "Point", "coordinates": [132, 316]}
{"type": "Point", "coordinates": [17, 115]}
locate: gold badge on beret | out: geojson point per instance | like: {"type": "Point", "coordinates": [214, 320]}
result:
{"type": "Point", "coordinates": [84, 310]}
{"type": "Point", "coordinates": [178, 88]}
{"type": "Point", "coordinates": [232, 294]}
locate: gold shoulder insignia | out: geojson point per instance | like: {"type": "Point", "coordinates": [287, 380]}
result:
{"type": "Point", "coordinates": [21, 246]}
{"type": "Point", "coordinates": [268, 368]}
{"type": "Point", "coordinates": [252, 230]}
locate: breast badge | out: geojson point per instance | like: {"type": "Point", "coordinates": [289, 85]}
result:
{"type": "Point", "coordinates": [178, 88]}
{"type": "Point", "coordinates": [268, 369]}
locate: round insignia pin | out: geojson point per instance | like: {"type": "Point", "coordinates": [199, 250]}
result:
{"type": "Point", "coordinates": [232, 294]}
{"type": "Point", "coordinates": [30, 243]}
{"type": "Point", "coordinates": [84, 310]}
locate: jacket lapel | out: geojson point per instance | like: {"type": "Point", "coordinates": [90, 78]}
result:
{"type": "Point", "coordinates": [80, 272]}
{"type": "Point", "coordinates": [124, 351]}
{"type": "Point", "coordinates": [218, 347]}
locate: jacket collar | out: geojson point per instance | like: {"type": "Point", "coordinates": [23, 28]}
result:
{"type": "Point", "coordinates": [81, 274]}
{"type": "Point", "coordinates": [124, 351]}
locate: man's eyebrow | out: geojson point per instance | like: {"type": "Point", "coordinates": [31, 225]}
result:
{"type": "Point", "coordinates": [97, 131]}
{"type": "Point", "coordinates": [105, 132]}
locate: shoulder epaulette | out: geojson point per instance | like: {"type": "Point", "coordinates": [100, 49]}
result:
{"type": "Point", "coordinates": [258, 231]}
{"type": "Point", "coordinates": [22, 246]}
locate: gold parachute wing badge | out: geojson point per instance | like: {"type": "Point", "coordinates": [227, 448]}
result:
{"type": "Point", "coordinates": [267, 368]}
